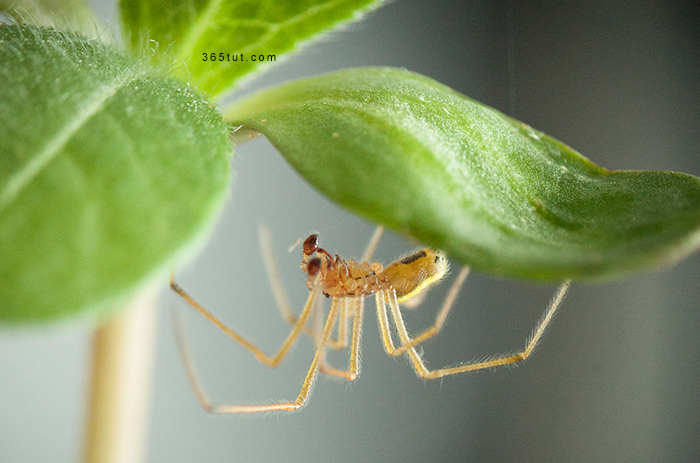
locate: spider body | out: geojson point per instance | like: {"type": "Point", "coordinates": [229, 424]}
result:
{"type": "Point", "coordinates": [348, 278]}
{"type": "Point", "coordinates": [347, 283]}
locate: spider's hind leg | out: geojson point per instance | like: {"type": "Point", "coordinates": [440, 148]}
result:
{"type": "Point", "coordinates": [416, 359]}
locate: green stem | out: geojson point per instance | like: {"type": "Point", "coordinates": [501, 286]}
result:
{"type": "Point", "coordinates": [120, 390]}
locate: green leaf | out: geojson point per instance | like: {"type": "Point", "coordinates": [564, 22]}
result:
{"type": "Point", "coordinates": [408, 152]}
{"type": "Point", "coordinates": [107, 172]}
{"type": "Point", "coordinates": [232, 28]}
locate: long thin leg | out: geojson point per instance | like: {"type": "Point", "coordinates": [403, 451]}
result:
{"type": "Point", "coordinates": [342, 340]}
{"type": "Point", "coordinates": [356, 335]}
{"type": "Point", "coordinates": [353, 370]}
{"type": "Point", "coordinates": [372, 246]}
{"type": "Point", "coordinates": [417, 361]}
{"type": "Point", "coordinates": [257, 352]}
{"type": "Point", "coordinates": [273, 276]}
{"type": "Point", "coordinates": [196, 384]}
{"type": "Point", "coordinates": [338, 344]}
{"type": "Point", "coordinates": [383, 321]}
{"type": "Point", "coordinates": [441, 315]}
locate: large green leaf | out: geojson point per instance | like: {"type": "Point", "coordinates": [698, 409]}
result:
{"type": "Point", "coordinates": [193, 31]}
{"type": "Point", "coordinates": [106, 171]}
{"type": "Point", "coordinates": [494, 193]}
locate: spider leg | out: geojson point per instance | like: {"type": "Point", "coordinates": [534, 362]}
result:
{"type": "Point", "coordinates": [372, 245]}
{"type": "Point", "coordinates": [417, 361]}
{"type": "Point", "coordinates": [273, 274]}
{"type": "Point", "coordinates": [353, 370]}
{"type": "Point", "coordinates": [383, 320]}
{"type": "Point", "coordinates": [301, 400]}
{"type": "Point", "coordinates": [341, 342]}
{"type": "Point", "coordinates": [441, 315]}
{"type": "Point", "coordinates": [280, 295]}
{"type": "Point", "coordinates": [356, 335]}
{"type": "Point", "coordinates": [336, 344]}
{"type": "Point", "coordinates": [271, 361]}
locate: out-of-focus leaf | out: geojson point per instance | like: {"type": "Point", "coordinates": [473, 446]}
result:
{"type": "Point", "coordinates": [237, 33]}
{"type": "Point", "coordinates": [408, 152]}
{"type": "Point", "coordinates": [107, 172]}
{"type": "Point", "coordinates": [74, 15]}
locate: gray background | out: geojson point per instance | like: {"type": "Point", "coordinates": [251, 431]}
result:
{"type": "Point", "coordinates": [616, 378]}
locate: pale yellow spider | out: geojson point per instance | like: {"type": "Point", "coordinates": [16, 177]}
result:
{"type": "Point", "coordinates": [347, 283]}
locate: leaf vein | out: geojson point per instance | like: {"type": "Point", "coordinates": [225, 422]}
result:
{"type": "Point", "coordinates": [92, 105]}
{"type": "Point", "coordinates": [205, 20]}
{"type": "Point", "coordinates": [275, 28]}
{"type": "Point", "coordinates": [198, 28]}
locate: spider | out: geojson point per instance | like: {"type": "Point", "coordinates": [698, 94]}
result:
{"type": "Point", "coordinates": [347, 283]}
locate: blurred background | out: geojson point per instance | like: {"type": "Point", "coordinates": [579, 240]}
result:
{"type": "Point", "coordinates": [616, 378]}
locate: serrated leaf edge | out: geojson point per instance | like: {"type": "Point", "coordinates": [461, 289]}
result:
{"type": "Point", "coordinates": [203, 23]}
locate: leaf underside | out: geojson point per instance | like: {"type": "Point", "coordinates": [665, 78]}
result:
{"type": "Point", "coordinates": [432, 164]}
{"type": "Point", "coordinates": [107, 171]}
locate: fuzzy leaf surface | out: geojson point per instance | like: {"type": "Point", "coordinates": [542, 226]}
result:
{"type": "Point", "coordinates": [494, 193]}
{"type": "Point", "coordinates": [107, 173]}
{"type": "Point", "coordinates": [193, 30]}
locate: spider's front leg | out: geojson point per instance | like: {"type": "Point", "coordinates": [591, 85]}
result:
{"type": "Point", "coordinates": [301, 400]}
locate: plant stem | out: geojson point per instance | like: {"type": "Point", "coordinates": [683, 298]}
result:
{"type": "Point", "coordinates": [120, 389]}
